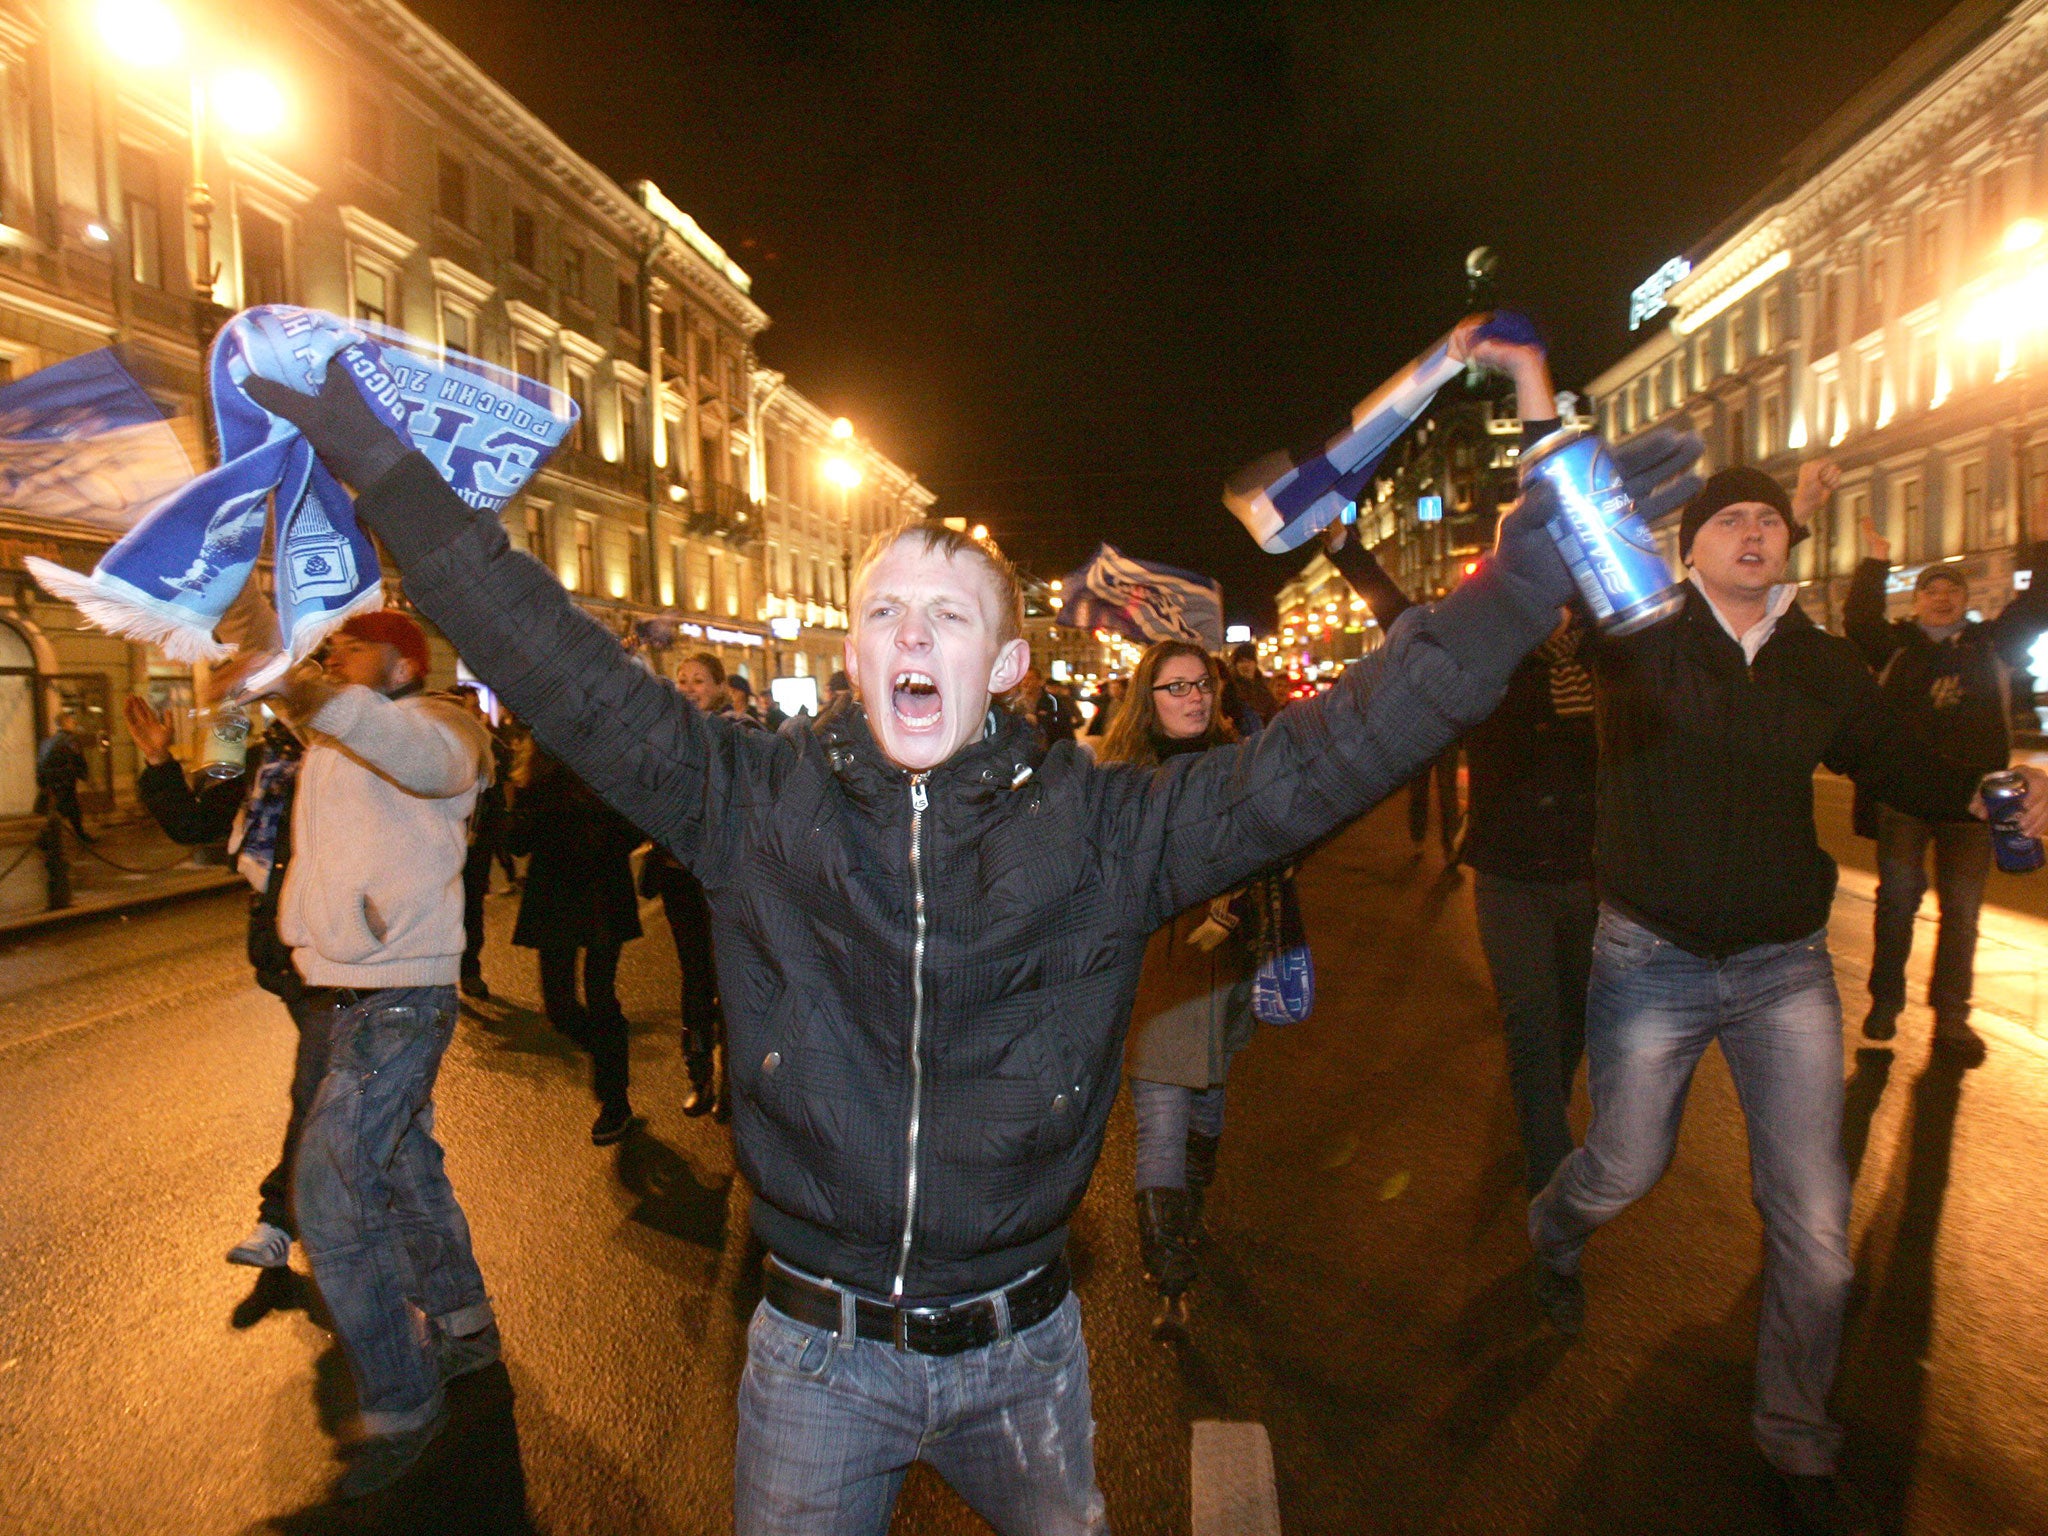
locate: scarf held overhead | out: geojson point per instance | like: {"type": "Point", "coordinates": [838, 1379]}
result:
{"type": "Point", "coordinates": [173, 578]}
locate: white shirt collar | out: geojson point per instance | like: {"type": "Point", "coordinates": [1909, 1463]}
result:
{"type": "Point", "coordinates": [1783, 595]}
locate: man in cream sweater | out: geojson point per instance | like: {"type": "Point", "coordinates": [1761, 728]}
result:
{"type": "Point", "coordinates": [372, 911]}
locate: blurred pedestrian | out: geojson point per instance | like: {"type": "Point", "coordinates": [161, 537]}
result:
{"type": "Point", "coordinates": [1194, 1004]}
{"type": "Point", "coordinates": [1107, 698]}
{"type": "Point", "coordinates": [486, 845]}
{"type": "Point", "coordinates": [59, 766]}
{"type": "Point", "coordinates": [701, 680]}
{"type": "Point", "coordinates": [1048, 719]}
{"type": "Point", "coordinates": [579, 900]}
{"type": "Point", "coordinates": [372, 910]}
{"type": "Point", "coordinates": [936, 931]}
{"type": "Point", "coordinates": [1948, 678]}
{"type": "Point", "coordinates": [1715, 897]}
{"type": "Point", "coordinates": [1529, 831]}
{"type": "Point", "coordinates": [742, 695]}
{"type": "Point", "coordinates": [252, 812]}
{"type": "Point", "coordinates": [1249, 701]}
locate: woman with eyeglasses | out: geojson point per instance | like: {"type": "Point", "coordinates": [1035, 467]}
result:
{"type": "Point", "coordinates": [1194, 1004]}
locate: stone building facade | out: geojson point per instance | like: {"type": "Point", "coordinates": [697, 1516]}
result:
{"type": "Point", "coordinates": [399, 184]}
{"type": "Point", "coordinates": [1882, 303]}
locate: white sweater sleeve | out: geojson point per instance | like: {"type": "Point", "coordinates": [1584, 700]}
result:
{"type": "Point", "coordinates": [425, 747]}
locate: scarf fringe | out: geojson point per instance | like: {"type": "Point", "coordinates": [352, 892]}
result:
{"type": "Point", "coordinates": [116, 615]}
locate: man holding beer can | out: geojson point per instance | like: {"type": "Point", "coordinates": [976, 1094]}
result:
{"type": "Point", "coordinates": [1947, 676]}
{"type": "Point", "coordinates": [1715, 897]}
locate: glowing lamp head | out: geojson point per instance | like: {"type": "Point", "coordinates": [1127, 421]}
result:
{"type": "Point", "coordinates": [842, 429]}
{"type": "Point", "coordinates": [249, 103]}
{"type": "Point", "coordinates": [2023, 235]}
{"type": "Point", "coordinates": [842, 472]}
{"type": "Point", "coordinates": [144, 33]}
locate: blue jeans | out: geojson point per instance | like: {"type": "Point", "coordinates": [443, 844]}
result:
{"type": "Point", "coordinates": [377, 1217]}
{"type": "Point", "coordinates": [1166, 1112]}
{"type": "Point", "coordinates": [309, 1066]}
{"type": "Point", "coordinates": [1651, 1011]}
{"type": "Point", "coordinates": [829, 1424]}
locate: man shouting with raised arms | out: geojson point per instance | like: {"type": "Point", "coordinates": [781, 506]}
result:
{"type": "Point", "coordinates": [929, 932]}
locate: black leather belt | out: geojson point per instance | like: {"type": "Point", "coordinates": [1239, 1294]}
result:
{"type": "Point", "coordinates": [922, 1330]}
{"type": "Point", "coordinates": [337, 997]}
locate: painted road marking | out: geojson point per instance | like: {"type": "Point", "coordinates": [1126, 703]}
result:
{"type": "Point", "coordinates": [1232, 1480]}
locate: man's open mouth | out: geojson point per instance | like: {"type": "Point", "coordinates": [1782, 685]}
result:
{"type": "Point", "coordinates": [915, 698]}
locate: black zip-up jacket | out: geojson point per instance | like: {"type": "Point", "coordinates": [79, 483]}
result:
{"type": "Point", "coordinates": [1705, 828]}
{"type": "Point", "coordinates": [1951, 694]}
{"type": "Point", "coordinates": [196, 817]}
{"type": "Point", "coordinates": [1532, 769]}
{"type": "Point", "coordinates": [927, 978]}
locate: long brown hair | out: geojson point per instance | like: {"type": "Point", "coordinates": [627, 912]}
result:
{"type": "Point", "coordinates": [1134, 735]}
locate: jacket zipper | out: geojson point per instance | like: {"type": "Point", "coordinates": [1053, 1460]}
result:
{"type": "Point", "coordinates": [918, 803]}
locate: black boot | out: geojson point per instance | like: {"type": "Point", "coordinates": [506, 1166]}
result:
{"type": "Point", "coordinates": [1169, 1260]}
{"type": "Point", "coordinates": [697, 1060]}
{"type": "Point", "coordinates": [1201, 1174]}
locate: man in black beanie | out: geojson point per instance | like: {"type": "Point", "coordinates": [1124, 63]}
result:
{"type": "Point", "coordinates": [1713, 928]}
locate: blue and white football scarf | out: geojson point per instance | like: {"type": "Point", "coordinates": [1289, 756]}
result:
{"type": "Point", "coordinates": [1285, 499]}
{"type": "Point", "coordinates": [176, 574]}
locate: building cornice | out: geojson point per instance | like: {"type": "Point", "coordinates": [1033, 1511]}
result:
{"type": "Point", "coordinates": [453, 80]}
{"type": "Point", "coordinates": [460, 281]}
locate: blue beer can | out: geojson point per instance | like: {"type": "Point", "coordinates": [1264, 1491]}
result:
{"type": "Point", "coordinates": [1607, 547]}
{"type": "Point", "coordinates": [2005, 796]}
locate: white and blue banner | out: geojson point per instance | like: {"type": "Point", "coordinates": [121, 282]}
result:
{"type": "Point", "coordinates": [82, 442]}
{"type": "Point", "coordinates": [1285, 499]}
{"type": "Point", "coordinates": [173, 579]}
{"type": "Point", "coordinates": [1143, 600]}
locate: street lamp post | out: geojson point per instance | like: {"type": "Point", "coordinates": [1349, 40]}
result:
{"type": "Point", "coordinates": [147, 35]}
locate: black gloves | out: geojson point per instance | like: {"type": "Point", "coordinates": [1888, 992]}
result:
{"type": "Point", "coordinates": [1525, 550]}
{"type": "Point", "coordinates": [355, 444]}
{"type": "Point", "coordinates": [1655, 470]}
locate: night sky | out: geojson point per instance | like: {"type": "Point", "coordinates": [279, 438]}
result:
{"type": "Point", "coordinates": [1074, 263]}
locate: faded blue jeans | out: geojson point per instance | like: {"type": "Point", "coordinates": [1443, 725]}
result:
{"type": "Point", "coordinates": [388, 1243]}
{"type": "Point", "coordinates": [829, 1424]}
{"type": "Point", "coordinates": [1651, 1012]}
{"type": "Point", "coordinates": [1166, 1112]}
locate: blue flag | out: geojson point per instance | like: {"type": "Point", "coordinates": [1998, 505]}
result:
{"type": "Point", "coordinates": [81, 442]}
{"type": "Point", "coordinates": [173, 579]}
{"type": "Point", "coordinates": [1143, 600]}
{"type": "Point", "coordinates": [1286, 499]}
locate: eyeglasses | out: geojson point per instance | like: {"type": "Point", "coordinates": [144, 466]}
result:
{"type": "Point", "coordinates": [1181, 687]}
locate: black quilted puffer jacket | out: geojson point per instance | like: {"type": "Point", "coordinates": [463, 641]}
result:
{"type": "Point", "coordinates": [927, 979]}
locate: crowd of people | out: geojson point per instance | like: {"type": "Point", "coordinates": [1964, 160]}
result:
{"type": "Point", "coordinates": [924, 937]}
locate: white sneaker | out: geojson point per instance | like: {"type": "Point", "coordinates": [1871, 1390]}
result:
{"type": "Point", "coordinates": [268, 1247]}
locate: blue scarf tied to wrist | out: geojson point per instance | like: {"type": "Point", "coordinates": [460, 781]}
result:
{"type": "Point", "coordinates": [173, 579]}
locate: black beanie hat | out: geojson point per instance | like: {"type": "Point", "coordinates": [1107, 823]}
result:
{"type": "Point", "coordinates": [1725, 489]}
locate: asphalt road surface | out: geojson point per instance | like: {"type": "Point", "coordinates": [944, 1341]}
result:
{"type": "Point", "coordinates": [1366, 1299]}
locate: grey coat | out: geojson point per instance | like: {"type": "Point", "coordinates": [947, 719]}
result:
{"type": "Point", "coordinates": [1194, 1010]}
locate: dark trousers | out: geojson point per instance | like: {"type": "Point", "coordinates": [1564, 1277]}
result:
{"type": "Point", "coordinates": [596, 1022]}
{"type": "Point", "coordinates": [689, 922]}
{"type": "Point", "coordinates": [65, 799]}
{"type": "Point", "coordinates": [310, 1065]}
{"type": "Point", "coordinates": [476, 885]}
{"type": "Point", "coordinates": [1445, 772]}
{"type": "Point", "coordinates": [1962, 861]}
{"type": "Point", "coordinates": [1538, 938]}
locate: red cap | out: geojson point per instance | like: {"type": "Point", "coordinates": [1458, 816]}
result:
{"type": "Point", "coordinates": [386, 627]}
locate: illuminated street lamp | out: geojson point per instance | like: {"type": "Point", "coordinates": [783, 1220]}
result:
{"type": "Point", "coordinates": [147, 35]}
{"type": "Point", "coordinates": [2013, 314]}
